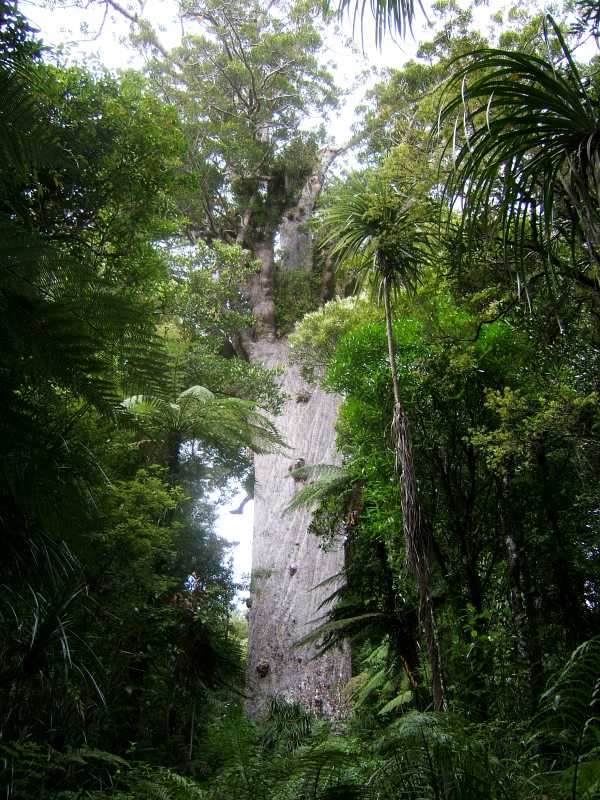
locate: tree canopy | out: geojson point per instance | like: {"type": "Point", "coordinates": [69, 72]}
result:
{"type": "Point", "coordinates": [141, 252]}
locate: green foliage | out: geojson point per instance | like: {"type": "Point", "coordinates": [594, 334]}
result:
{"type": "Point", "coordinates": [530, 128]}
{"type": "Point", "coordinates": [222, 424]}
{"type": "Point", "coordinates": [315, 338]}
{"type": "Point", "coordinates": [285, 754]}
{"type": "Point", "coordinates": [477, 445]}
{"type": "Point", "coordinates": [204, 311]}
{"type": "Point", "coordinates": [370, 221]}
{"type": "Point", "coordinates": [297, 295]}
{"type": "Point", "coordinates": [569, 716]}
{"type": "Point", "coordinates": [206, 295]}
{"type": "Point", "coordinates": [35, 770]}
{"type": "Point", "coordinates": [121, 660]}
{"type": "Point", "coordinates": [379, 684]}
{"type": "Point", "coordinates": [17, 42]}
{"type": "Point", "coordinates": [242, 86]}
{"type": "Point", "coordinates": [115, 596]}
{"type": "Point", "coordinates": [432, 757]}
{"type": "Point", "coordinates": [325, 480]}
{"type": "Point", "coordinates": [76, 327]}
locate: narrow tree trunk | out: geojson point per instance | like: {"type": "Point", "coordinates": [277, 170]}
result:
{"type": "Point", "coordinates": [568, 585]}
{"type": "Point", "coordinates": [390, 343]}
{"type": "Point", "coordinates": [416, 532]}
{"type": "Point", "coordinates": [288, 563]}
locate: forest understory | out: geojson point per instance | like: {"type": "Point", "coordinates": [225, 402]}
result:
{"type": "Point", "coordinates": [391, 342]}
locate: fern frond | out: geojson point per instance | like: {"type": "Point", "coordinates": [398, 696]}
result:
{"type": "Point", "coordinates": [336, 626]}
{"type": "Point", "coordinates": [23, 135]}
{"type": "Point", "coordinates": [326, 480]}
{"type": "Point", "coordinates": [570, 719]}
{"type": "Point", "coordinates": [330, 580]}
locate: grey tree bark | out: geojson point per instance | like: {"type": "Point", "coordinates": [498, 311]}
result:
{"type": "Point", "coordinates": [295, 237]}
{"type": "Point", "coordinates": [288, 564]}
{"type": "Point", "coordinates": [292, 576]}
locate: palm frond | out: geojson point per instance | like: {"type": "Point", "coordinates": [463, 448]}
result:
{"type": "Point", "coordinates": [393, 16]}
{"type": "Point", "coordinates": [345, 625]}
{"type": "Point", "coordinates": [530, 134]}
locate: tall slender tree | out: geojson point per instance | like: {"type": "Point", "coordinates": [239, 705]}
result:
{"type": "Point", "coordinates": [372, 223]}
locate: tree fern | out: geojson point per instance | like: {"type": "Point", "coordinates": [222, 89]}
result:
{"type": "Point", "coordinates": [226, 424]}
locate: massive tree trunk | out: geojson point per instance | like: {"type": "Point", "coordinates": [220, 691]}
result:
{"type": "Point", "coordinates": [288, 564]}
{"type": "Point", "coordinates": [289, 567]}
{"type": "Point", "coordinates": [295, 236]}
{"type": "Point", "coordinates": [260, 290]}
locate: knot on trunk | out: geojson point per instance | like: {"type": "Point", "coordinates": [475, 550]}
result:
{"type": "Point", "coordinates": [262, 669]}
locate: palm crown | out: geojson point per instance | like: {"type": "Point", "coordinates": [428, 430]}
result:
{"type": "Point", "coordinates": [530, 147]}
{"type": "Point", "coordinates": [371, 224]}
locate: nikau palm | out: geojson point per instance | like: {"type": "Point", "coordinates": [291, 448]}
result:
{"type": "Point", "coordinates": [372, 224]}
{"type": "Point", "coordinates": [393, 16]}
{"type": "Point", "coordinates": [530, 149]}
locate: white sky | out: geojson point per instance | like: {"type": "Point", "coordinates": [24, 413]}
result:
{"type": "Point", "coordinates": [237, 529]}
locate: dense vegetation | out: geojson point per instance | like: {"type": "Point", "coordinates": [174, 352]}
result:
{"type": "Point", "coordinates": [464, 340]}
